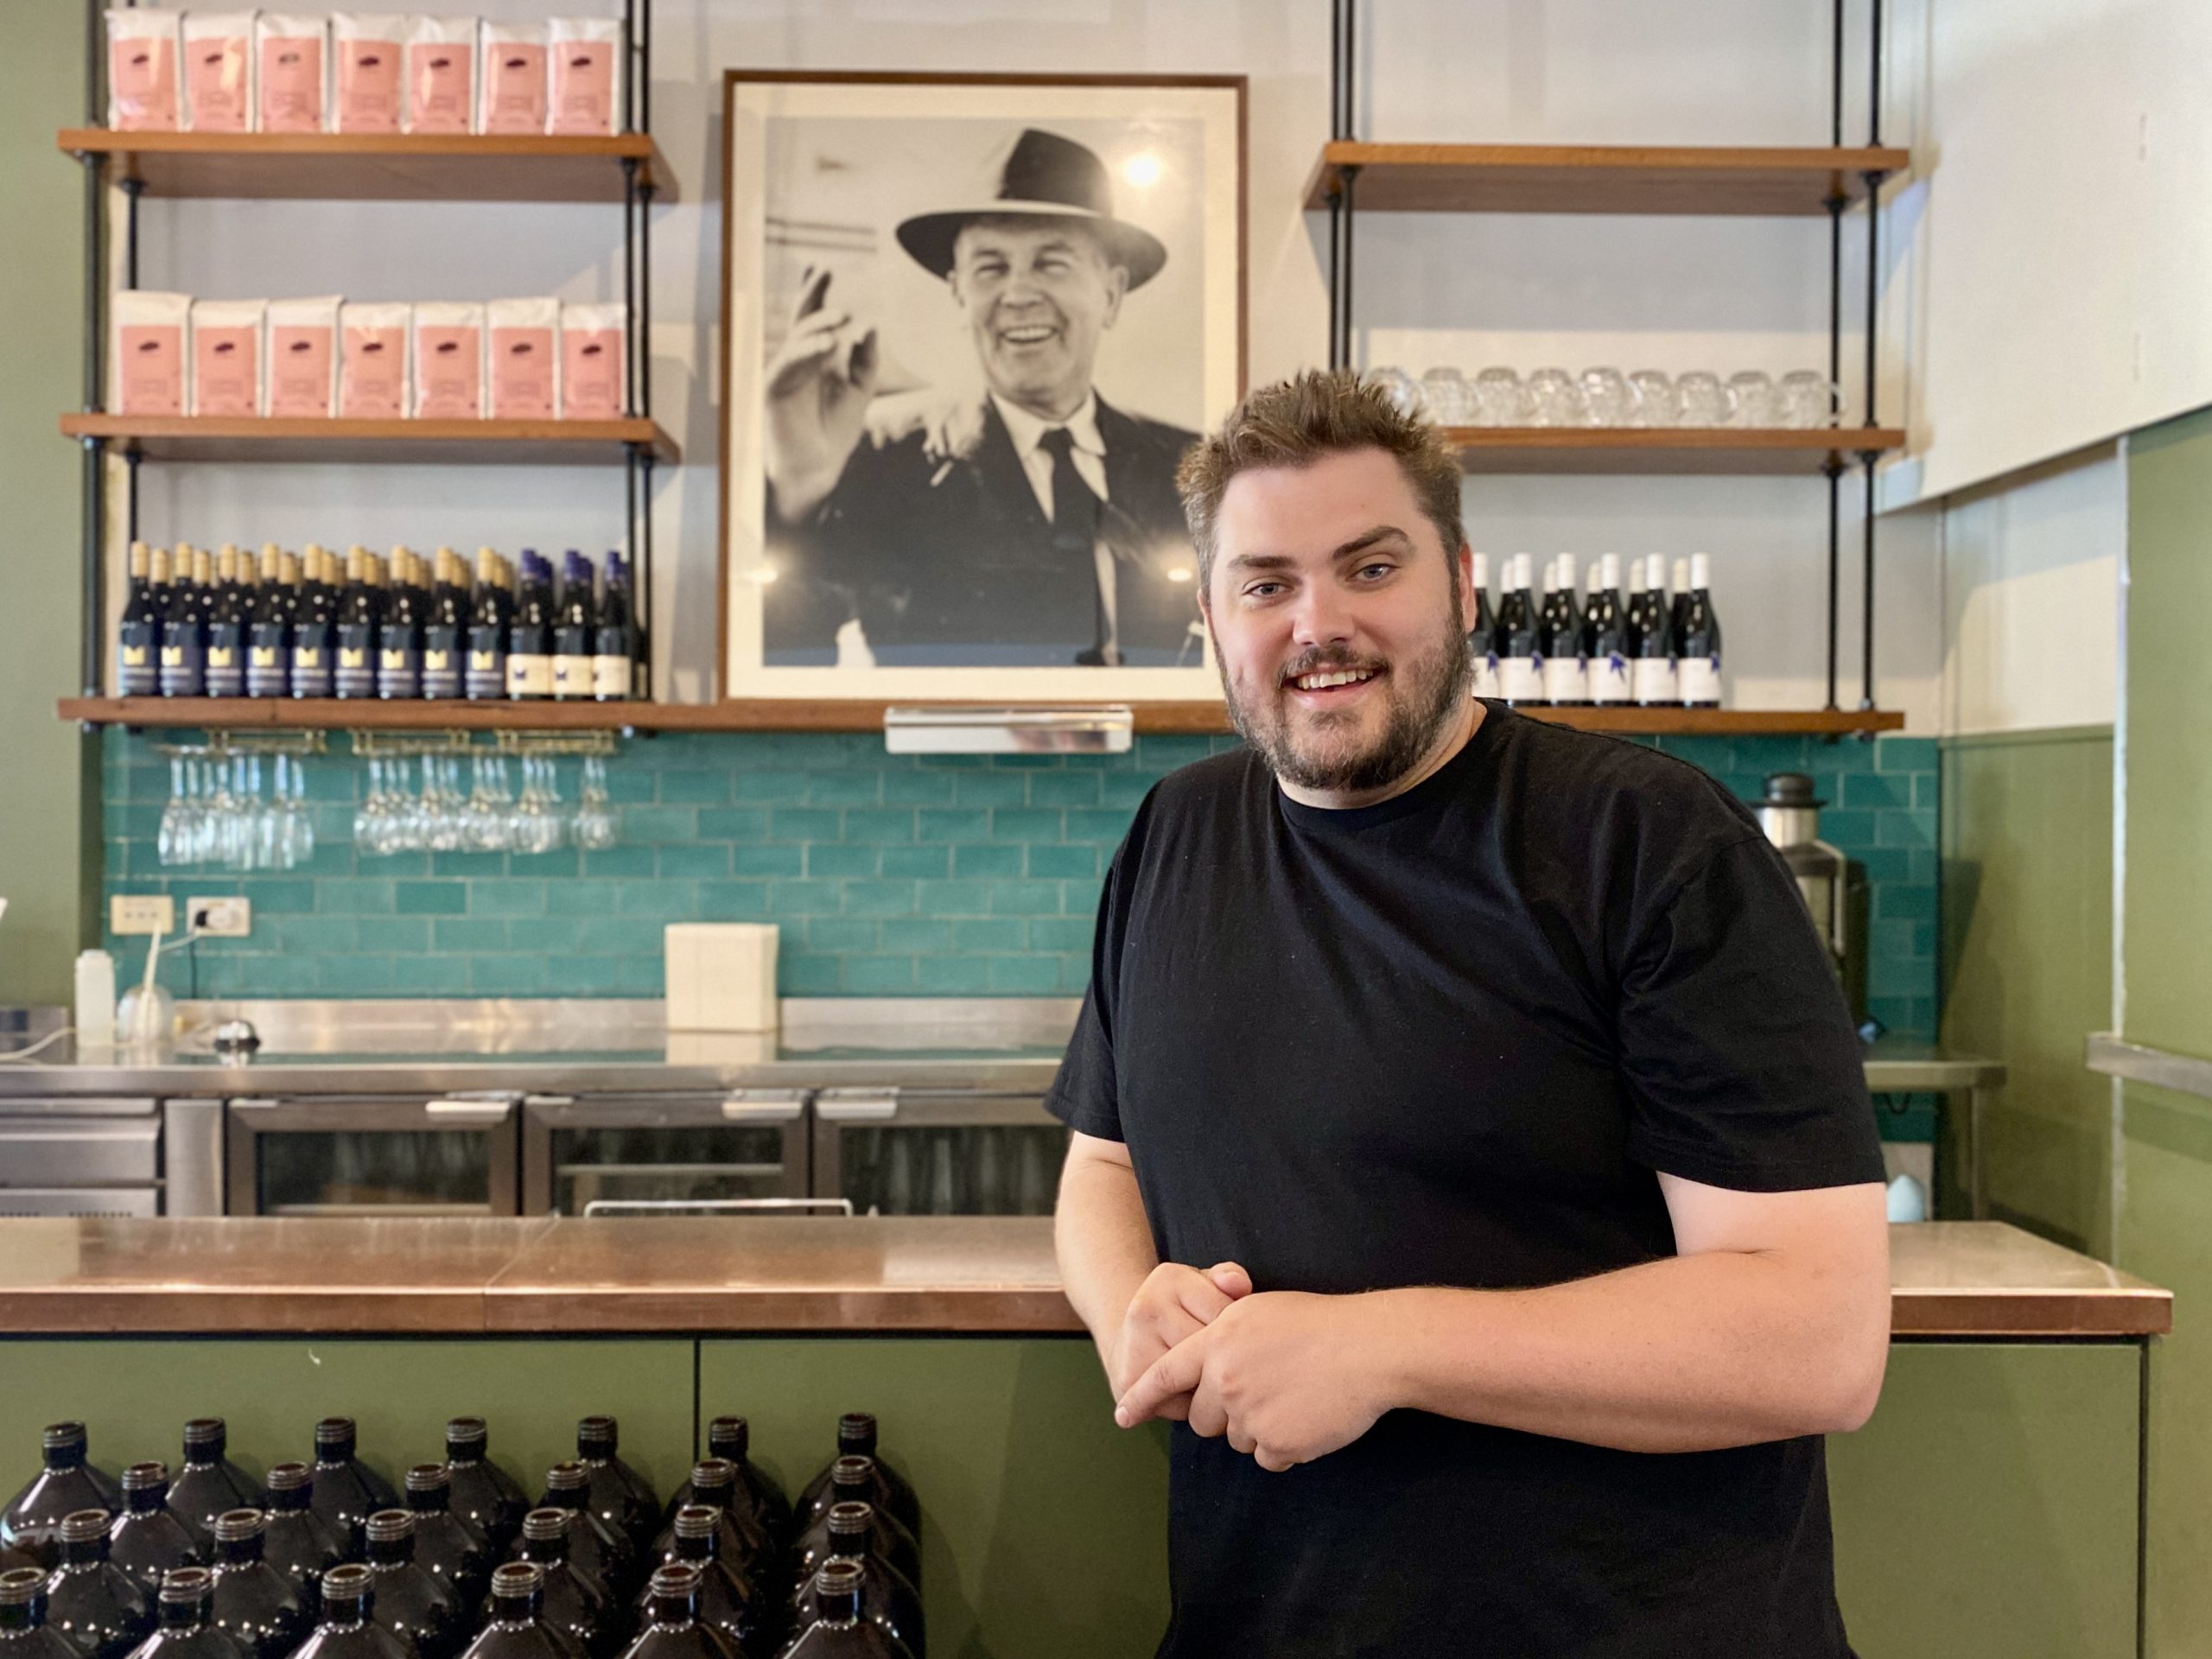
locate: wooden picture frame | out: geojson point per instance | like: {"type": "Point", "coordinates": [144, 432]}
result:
{"type": "Point", "coordinates": [923, 171]}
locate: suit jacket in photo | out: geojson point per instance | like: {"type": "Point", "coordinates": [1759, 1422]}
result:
{"type": "Point", "coordinates": [935, 542]}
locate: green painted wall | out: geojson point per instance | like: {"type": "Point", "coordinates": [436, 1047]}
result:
{"type": "Point", "coordinates": [2164, 1182]}
{"type": "Point", "coordinates": [49, 812]}
{"type": "Point", "coordinates": [2027, 965]}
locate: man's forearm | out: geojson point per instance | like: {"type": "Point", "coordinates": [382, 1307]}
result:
{"type": "Point", "coordinates": [1104, 1243]}
{"type": "Point", "coordinates": [1693, 1352]}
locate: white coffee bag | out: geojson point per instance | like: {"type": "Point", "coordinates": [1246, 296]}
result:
{"type": "Point", "coordinates": [448, 352]}
{"type": "Point", "coordinates": [584, 67]}
{"type": "Point", "coordinates": [143, 47]}
{"type": "Point", "coordinates": [291, 70]}
{"type": "Point", "coordinates": [367, 82]}
{"type": "Point", "coordinates": [511, 95]}
{"type": "Point", "coordinates": [373, 377]}
{"type": "Point", "coordinates": [441, 71]}
{"type": "Point", "coordinates": [227, 357]}
{"type": "Point", "coordinates": [522, 353]}
{"type": "Point", "coordinates": [219, 72]}
{"type": "Point", "coordinates": [300, 363]}
{"type": "Point", "coordinates": [152, 368]}
{"type": "Point", "coordinates": [595, 362]}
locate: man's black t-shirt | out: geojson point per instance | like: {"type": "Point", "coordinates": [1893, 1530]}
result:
{"type": "Point", "coordinates": [1447, 1040]}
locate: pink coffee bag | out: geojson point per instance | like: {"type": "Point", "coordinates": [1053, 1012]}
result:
{"type": "Point", "coordinates": [289, 59]}
{"type": "Point", "coordinates": [524, 352]}
{"type": "Point", "coordinates": [366, 91]}
{"type": "Point", "coordinates": [441, 90]}
{"type": "Point", "coordinates": [149, 369]}
{"type": "Point", "coordinates": [301, 371]}
{"type": "Point", "coordinates": [591, 365]}
{"type": "Point", "coordinates": [448, 352]}
{"type": "Point", "coordinates": [372, 362]}
{"type": "Point", "coordinates": [585, 68]}
{"type": "Point", "coordinates": [219, 71]}
{"type": "Point", "coordinates": [142, 75]}
{"type": "Point", "coordinates": [513, 80]}
{"type": "Point", "coordinates": [227, 357]}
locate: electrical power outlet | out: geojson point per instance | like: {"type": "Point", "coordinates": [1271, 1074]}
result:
{"type": "Point", "coordinates": [219, 919]}
{"type": "Point", "coordinates": [142, 913]}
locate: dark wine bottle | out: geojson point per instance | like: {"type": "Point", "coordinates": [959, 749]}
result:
{"type": "Point", "coordinates": [738, 1604]}
{"type": "Point", "coordinates": [254, 1602]}
{"type": "Point", "coordinates": [740, 1537]}
{"type": "Point", "coordinates": [346, 1492]}
{"type": "Point", "coordinates": [296, 1542]}
{"type": "Point", "coordinates": [855, 1480]}
{"type": "Point", "coordinates": [1482, 638]}
{"type": "Point", "coordinates": [314, 630]}
{"type": "Point", "coordinates": [1678, 607]}
{"type": "Point", "coordinates": [1520, 667]}
{"type": "Point", "coordinates": [672, 1628]}
{"type": "Point", "coordinates": [447, 1547]}
{"type": "Point", "coordinates": [146, 1540]}
{"type": "Point", "coordinates": [269, 631]}
{"type": "Point", "coordinates": [1566, 681]}
{"type": "Point", "coordinates": [619, 1495]}
{"type": "Point", "coordinates": [1697, 647]}
{"type": "Point", "coordinates": [409, 1603]}
{"type": "Point", "coordinates": [887, 1599]}
{"type": "Point", "coordinates": [32, 1520]}
{"type": "Point", "coordinates": [483, 1495]}
{"type": "Point", "coordinates": [597, 1548]}
{"type": "Point", "coordinates": [399, 634]}
{"type": "Point", "coordinates": [517, 1628]}
{"type": "Point", "coordinates": [837, 1631]}
{"type": "Point", "coordinates": [184, 634]}
{"type": "Point", "coordinates": [138, 637]}
{"type": "Point", "coordinates": [345, 1629]}
{"type": "Point", "coordinates": [731, 1440]}
{"type": "Point", "coordinates": [445, 629]}
{"type": "Point", "coordinates": [187, 1629]}
{"type": "Point", "coordinates": [530, 636]}
{"type": "Point", "coordinates": [575, 632]}
{"type": "Point", "coordinates": [613, 646]}
{"type": "Point", "coordinates": [1604, 636]}
{"type": "Point", "coordinates": [1652, 640]}
{"type": "Point", "coordinates": [99, 1609]}
{"type": "Point", "coordinates": [24, 1633]}
{"type": "Point", "coordinates": [576, 1602]}
{"type": "Point", "coordinates": [209, 1483]}
{"type": "Point", "coordinates": [857, 1437]}
{"type": "Point", "coordinates": [486, 675]}
{"type": "Point", "coordinates": [226, 613]}
{"type": "Point", "coordinates": [360, 612]}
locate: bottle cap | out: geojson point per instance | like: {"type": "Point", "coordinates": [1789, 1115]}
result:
{"type": "Point", "coordinates": [847, 1473]}
{"type": "Point", "coordinates": [467, 1434]}
{"type": "Point", "coordinates": [425, 1479]}
{"type": "Point", "coordinates": [205, 1434]}
{"type": "Point", "coordinates": [727, 1436]}
{"type": "Point", "coordinates": [84, 1526]}
{"type": "Point", "coordinates": [713, 1474]}
{"type": "Point", "coordinates": [567, 1476]}
{"type": "Point", "coordinates": [389, 1526]}
{"type": "Point", "coordinates": [517, 1581]}
{"type": "Point", "coordinates": [351, 1582]}
{"type": "Point", "coordinates": [599, 1433]}
{"type": "Point", "coordinates": [289, 1478]}
{"type": "Point", "coordinates": [837, 1589]}
{"type": "Point", "coordinates": [145, 1476]}
{"type": "Point", "coordinates": [850, 1521]}
{"type": "Point", "coordinates": [335, 1431]}
{"type": "Point", "coordinates": [23, 1586]}
{"type": "Point", "coordinates": [235, 1526]}
{"type": "Point", "coordinates": [542, 1526]}
{"type": "Point", "coordinates": [63, 1436]}
{"type": "Point", "coordinates": [856, 1432]}
{"type": "Point", "coordinates": [675, 1582]}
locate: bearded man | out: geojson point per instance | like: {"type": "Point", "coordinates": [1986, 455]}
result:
{"type": "Point", "coordinates": [1471, 1157]}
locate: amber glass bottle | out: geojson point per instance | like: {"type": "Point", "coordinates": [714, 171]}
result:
{"type": "Point", "coordinates": [32, 1520]}
{"type": "Point", "coordinates": [95, 1606]}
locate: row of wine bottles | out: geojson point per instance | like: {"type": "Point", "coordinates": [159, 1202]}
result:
{"type": "Point", "coordinates": [1651, 648]}
{"type": "Point", "coordinates": [302, 625]}
{"type": "Point", "coordinates": [213, 1565]}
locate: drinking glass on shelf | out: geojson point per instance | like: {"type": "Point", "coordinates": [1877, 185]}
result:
{"type": "Point", "coordinates": [1703, 399]}
{"type": "Point", "coordinates": [594, 824]}
{"type": "Point", "coordinates": [1608, 397]}
{"type": "Point", "coordinates": [1808, 399]}
{"type": "Point", "coordinates": [1754, 396]}
{"type": "Point", "coordinates": [1656, 402]}
{"type": "Point", "coordinates": [1498, 399]}
{"type": "Point", "coordinates": [1399, 387]}
{"type": "Point", "coordinates": [1555, 399]}
{"type": "Point", "coordinates": [1444, 395]}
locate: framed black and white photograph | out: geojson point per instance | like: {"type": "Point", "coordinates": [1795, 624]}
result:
{"type": "Point", "coordinates": [970, 324]}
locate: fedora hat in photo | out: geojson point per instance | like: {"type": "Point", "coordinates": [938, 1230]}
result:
{"type": "Point", "coordinates": [1043, 176]}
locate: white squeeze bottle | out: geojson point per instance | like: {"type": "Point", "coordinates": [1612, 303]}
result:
{"type": "Point", "coordinates": [95, 1000]}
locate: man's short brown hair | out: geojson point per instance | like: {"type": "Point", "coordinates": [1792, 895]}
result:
{"type": "Point", "coordinates": [1296, 423]}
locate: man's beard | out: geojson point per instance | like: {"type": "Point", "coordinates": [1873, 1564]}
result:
{"type": "Point", "coordinates": [1424, 693]}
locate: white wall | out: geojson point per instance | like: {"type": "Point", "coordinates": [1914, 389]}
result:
{"type": "Point", "coordinates": [1675, 293]}
{"type": "Point", "coordinates": [2031, 590]}
{"type": "Point", "coordinates": [2053, 289]}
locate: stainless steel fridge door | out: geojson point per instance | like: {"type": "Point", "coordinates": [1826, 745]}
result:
{"type": "Point", "coordinates": [924, 1152]}
{"type": "Point", "coordinates": [372, 1154]}
{"type": "Point", "coordinates": [695, 1149]}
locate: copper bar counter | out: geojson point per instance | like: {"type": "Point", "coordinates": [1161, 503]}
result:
{"type": "Point", "coordinates": [953, 1275]}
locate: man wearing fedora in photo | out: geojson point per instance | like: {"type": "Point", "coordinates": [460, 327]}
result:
{"type": "Point", "coordinates": [1033, 525]}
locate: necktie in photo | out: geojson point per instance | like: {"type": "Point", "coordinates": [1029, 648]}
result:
{"type": "Point", "coordinates": [1075, 528]}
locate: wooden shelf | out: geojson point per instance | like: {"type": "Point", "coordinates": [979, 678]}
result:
{"type": "Point", "coordinates": [481, 442]}
{"type": "Point", "coordinates": [1596, 179]}
{"type": "Point", "coordinates": [843, 714]}
{"type": "Point", "coordinates": [376, 167]}
{"type": "Point", "coordinates": [1718, 449]}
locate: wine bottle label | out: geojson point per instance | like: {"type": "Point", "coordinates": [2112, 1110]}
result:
{"type": "Point", "coordinates": [1697, 680]}
{"type": "Point", "coordinates": [529, 675]}
{"type": "Point", "coordinates": [1608, 679]}
{"type": "Point", "coordinates": [1521, 679]}
{"type": "Point", "coordinates": [573, 677]}
{"type": "Point", "coordinates": [1486, 680]}
{"type": "Point", "coordinates": [1565, 680]}
{"type": "Point", "coordinates": [1652, 679]}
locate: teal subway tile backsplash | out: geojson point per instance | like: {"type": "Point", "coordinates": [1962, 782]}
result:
{"type": "Point", "coordinates": [938, 875]}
